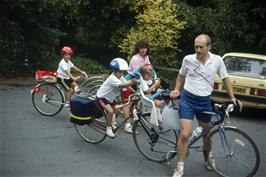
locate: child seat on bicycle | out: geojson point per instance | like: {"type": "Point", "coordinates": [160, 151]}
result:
{"type": "Point", "coordinates": [152, 97]}
{"type": "Point", "coordinates": [148, 99]}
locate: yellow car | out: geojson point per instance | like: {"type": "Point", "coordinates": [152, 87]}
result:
{"type": "Point", "coordinates": [248, 76]}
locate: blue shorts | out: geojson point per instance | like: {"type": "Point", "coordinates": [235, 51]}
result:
{"type": "Point", "coordinates": [191, 105]}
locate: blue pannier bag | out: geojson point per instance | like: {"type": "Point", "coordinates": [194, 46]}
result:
{"type": "Point", "coordinates": [84, 110]}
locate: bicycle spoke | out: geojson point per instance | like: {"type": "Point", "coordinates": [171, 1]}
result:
{"type": "Point", "coordinates": [48, 99]}
{"type": "Point", "coordinates": [93, 132]}
{"type": "Point", "coordinates": [153, 143]}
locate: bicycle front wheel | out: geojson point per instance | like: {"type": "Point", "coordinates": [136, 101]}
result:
{"type": "Point", "coordinates": [234, 153]}
{"type": "Point", "coordinates": [47, 99]}
{"type": "Point", "coordinates": [93, 132]}
{"type": "Point", "coordinates": [152, 141]}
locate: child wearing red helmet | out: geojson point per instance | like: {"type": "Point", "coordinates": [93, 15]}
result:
{"type": "Point", "coordinates": [64, 76]}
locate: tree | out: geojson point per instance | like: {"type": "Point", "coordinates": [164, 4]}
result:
{"type": "Point", "coordinates": [234, 25]}
{"type": "Point", "coordinates": [29, 32]}
{"type": "Point", "coordinates": [156, 22]}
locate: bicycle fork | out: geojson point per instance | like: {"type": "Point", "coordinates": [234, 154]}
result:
{"type": "Point", "coordinates": [224, 142]}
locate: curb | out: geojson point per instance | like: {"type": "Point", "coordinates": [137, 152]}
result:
{"type": "Point", "coordinates": [19, 81]}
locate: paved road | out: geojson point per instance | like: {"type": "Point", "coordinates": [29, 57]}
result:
{"type": "Point", "coordinates": [35, 145]}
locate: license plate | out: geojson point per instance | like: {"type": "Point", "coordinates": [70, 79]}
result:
{"type": "Point", "coordinates": [237, 89]}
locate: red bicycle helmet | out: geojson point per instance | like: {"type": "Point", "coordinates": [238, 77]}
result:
{"type": "Point", "coordinates": [66, 50]}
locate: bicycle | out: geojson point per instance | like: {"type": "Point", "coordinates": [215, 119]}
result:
{"type": "Point", "coordinates": [49, 98]}
{"type": "Point", "coordinates": [234, 152]}
{"type": "Point", "coordinates": [94, 131]}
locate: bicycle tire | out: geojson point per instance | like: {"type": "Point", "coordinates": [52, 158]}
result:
{"type": "Point", "coordinates": [151, 141]}
{"type": "Point", "coordinates": [93, 132]}
{"type": "Point", "coordinates": [243, 159]}
{"type": "Point", "coordinates": [91, 81]}
{"type": "Point", "coordinates": [48, 99]}
{"type": "Point", "coordinates": [90, 92]}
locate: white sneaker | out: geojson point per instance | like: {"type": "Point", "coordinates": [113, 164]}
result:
{"type": "Point", "coordinates": [110, 133]}
{"type": "Point", "coordinates": [114, 125]}
{"type": "Point", "coordinates": [77, 90]}
{"type": "Point", "coordinates": [128, 129]}
{"type": "Point", "coordinates": [210, 164]}
{"type": "Point", "coordinates": [178, 173]}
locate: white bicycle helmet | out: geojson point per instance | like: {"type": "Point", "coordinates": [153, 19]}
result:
{"type": "Point", "coordinates": [119, 64]}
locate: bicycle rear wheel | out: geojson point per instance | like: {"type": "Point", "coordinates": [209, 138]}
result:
{"type": "Point", "coordinates": [47, 99]}
{"type": "Point", "coordinates": [152, 141]}
{"type": "Point", "coordinates": [90, 92]}
{"type": "Point", "coordinates": [90, 82]}
{"type": "Point", "coordinates": [234, 153]}
{"type": "Point", "coordinates": [93, 132]}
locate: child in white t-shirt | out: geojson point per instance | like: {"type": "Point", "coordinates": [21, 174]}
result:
{"type": "Point", "coordinates": [110, 89]}
{"type": "Point", "coordinates": [150, 85]}
{"type": "Point", "coordinates": [64, 76]}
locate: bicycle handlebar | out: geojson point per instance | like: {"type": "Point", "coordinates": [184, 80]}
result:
{"type": "Point", "coordinates": [86, 76]}
{"type": "Point", "coordinates": [131, 98]}
{"type": "Point", "coordinates": [223, 109]}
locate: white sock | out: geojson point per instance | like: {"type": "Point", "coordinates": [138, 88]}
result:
{"type": "Point", "coordinates": [109, 129]}
{"type": "Point", "coordinates": [210, 154]}
{"type": "Point", "coordinates": [180, 166]}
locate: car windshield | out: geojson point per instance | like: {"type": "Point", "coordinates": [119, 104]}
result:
{"type": "Point", "coordinates": [246, 67]}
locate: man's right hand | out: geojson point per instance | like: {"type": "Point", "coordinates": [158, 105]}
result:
{"type": "Point", "coordinates": [174, 94]}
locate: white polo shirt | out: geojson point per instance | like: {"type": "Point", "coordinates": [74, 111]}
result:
{"type": "Point", "coordinates": [64, 66]}
{"type": "Point", "coordinates": [200, 77]}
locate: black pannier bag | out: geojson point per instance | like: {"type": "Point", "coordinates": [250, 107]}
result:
{"type": "Point", "coordinates": [84, 110]}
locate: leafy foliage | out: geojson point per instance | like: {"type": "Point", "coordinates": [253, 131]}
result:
{"type": "Point", "coordinates": [234, 25]}
{"type": "Point", "coordinates": [156, 23]}
{"type": "Point", "coordinates": [32, 32]}
{"type": "Point", "coordinates": [29, 32]}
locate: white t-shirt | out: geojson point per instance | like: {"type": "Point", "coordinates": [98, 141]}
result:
{"type": "Point", "coordinates": [64, 66]}
{"type": "Point", "coordinates": [200, 78]}
{"type": "Point", "coordinates": [110, 88]}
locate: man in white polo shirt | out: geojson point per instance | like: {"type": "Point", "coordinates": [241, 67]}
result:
{"type": "Point", "coordinates": [195, 79]}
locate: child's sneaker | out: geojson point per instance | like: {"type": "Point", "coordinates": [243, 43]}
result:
{"type": "Point", "coordinates": [114, 125]}
{"type": "Point", "coordinates": [128, 129]}
{"type": "Point", "coordinates": [178, 173]}
{"type": "Point", "coordinates": [211, 164]}
{"type": "Point", "coordinates": [110, 133]}
{"type": "Point", "coordinates": [77, 90]}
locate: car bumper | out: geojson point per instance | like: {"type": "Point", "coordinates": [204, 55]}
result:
{"type": "Point", "coordinates": [247, 101]}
